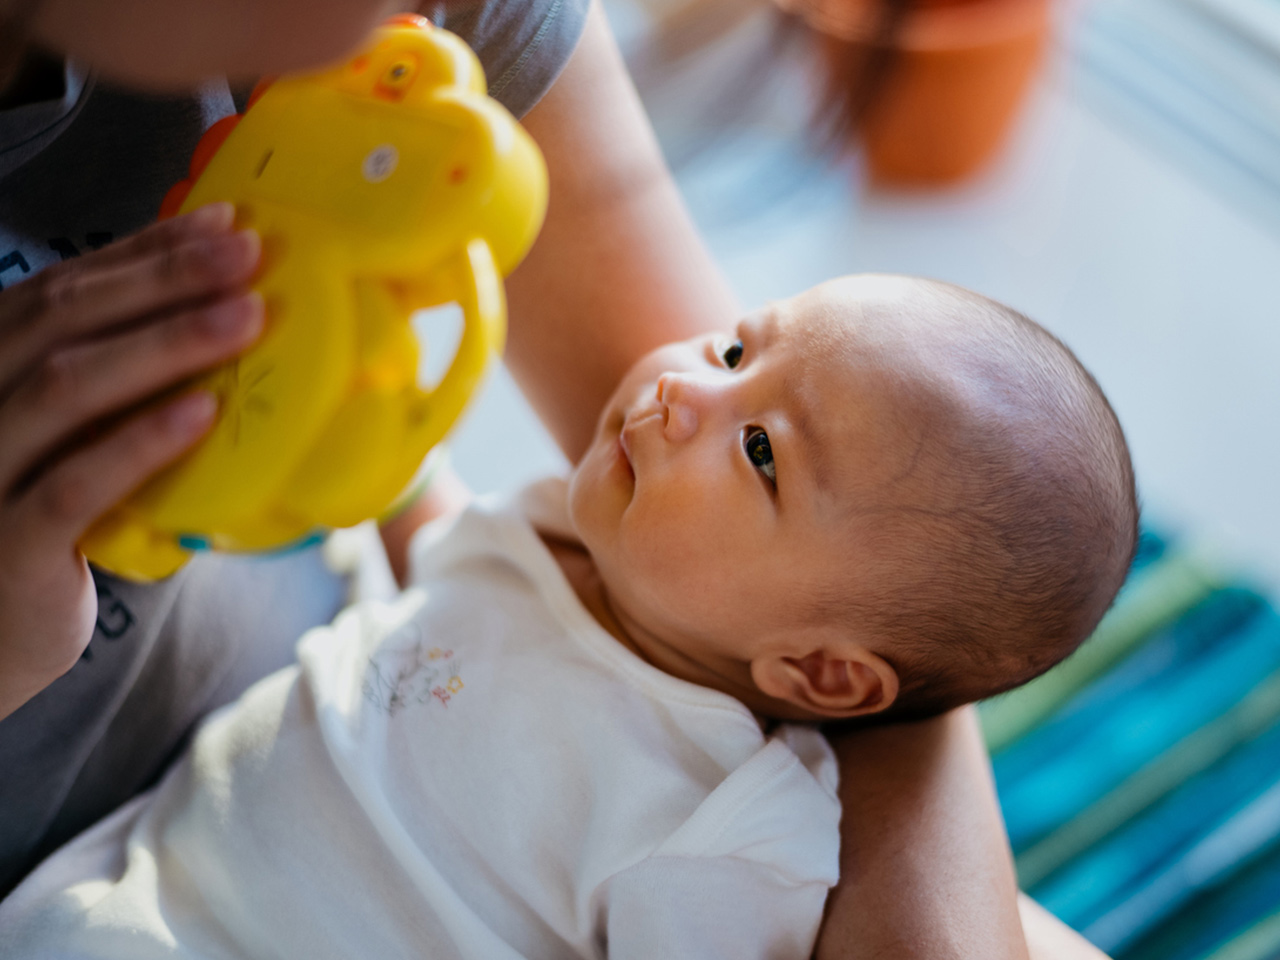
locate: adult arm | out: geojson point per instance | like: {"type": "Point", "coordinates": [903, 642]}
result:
{"type": "Point", "coordinates": [925, 869]}
{"type": "Point", "coordinates": [619, 267]}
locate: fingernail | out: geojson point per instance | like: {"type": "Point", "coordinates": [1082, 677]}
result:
{"type": "Point", "coordinates": [235, 253]}
{"type": "Point", "coordinates": [236, 318]}
{"type": "Point", "coordinates": [213, 216]}
{"type": "Point", "coordinates": [191, 413]}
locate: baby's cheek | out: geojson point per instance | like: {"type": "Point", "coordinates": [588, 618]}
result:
{"type": "Point", "coordinates": [678, 562]}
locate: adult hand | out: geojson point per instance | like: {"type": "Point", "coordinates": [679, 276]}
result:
{"type": "Point", "coordinates": [85, 347]}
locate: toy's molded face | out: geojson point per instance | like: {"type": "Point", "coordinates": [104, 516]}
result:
{"type": "Point", "coordinates": [405, 67]}
{"type": "Point", "coordinates": [375, 145]}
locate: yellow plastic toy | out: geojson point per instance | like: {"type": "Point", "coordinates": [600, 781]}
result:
{"type": "Point", "coordinates": [379, 187]}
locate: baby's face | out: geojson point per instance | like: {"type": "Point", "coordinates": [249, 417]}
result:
{"type": "Point", "coordinates": [718, 496]}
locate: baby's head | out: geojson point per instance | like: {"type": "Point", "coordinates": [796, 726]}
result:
{"type": "Point", "coordinates": [886, 496]}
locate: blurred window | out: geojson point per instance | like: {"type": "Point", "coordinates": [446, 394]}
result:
{"type": "Point", "coordinates": [1256, 20]}
{"type": "Point", "coordinates": [1200, 81]}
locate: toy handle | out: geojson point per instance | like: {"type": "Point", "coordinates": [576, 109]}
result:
{"type": "Point", "coordinates": [479, 293]}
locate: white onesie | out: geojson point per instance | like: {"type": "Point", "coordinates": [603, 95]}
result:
{"type": "Point", "coordinates": [475, 770]}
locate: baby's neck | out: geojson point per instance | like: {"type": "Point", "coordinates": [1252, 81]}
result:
{"type": "Point", "coordinates": [580, 570]}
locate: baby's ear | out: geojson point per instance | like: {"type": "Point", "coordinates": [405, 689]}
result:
{"type": "Point", "coordinates": [847, 681]}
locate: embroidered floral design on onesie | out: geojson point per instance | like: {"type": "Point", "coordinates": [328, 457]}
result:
{"type": "Point", "coordinates": [405, 670]}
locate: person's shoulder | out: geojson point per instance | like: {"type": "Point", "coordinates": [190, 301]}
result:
{"type": "Point", "coordinates": [522, 46]}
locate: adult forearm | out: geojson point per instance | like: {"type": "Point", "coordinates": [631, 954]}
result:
{"type": "Point", "coordinates": [925, 866]}
{"type": "Point", "coordinates": [619, 268]}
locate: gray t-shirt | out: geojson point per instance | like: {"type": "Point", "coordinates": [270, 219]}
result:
{"type": "Point", "coordinates": [76, 173]}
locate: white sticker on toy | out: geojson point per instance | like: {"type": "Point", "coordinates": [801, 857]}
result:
{"type": "Point", "coordinates": [380, 163]}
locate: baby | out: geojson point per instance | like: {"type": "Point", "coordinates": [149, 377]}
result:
{"type": "Point", "coordinates": [881, 499]}
{"type": "Point", "coordinates": [887, 497]}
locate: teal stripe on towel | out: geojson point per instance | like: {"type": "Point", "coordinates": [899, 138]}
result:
{"type": "Point", "coordinates": [1219, 917]}
{"type": "Point", "coordinates": [1246, 838]}
{"type": "Point", "coordinates": [1221, 614]}
{"type": "Point", "coordinates": [1259, 942]}
{"type": "Point", "coordinates": [1138, 730]}
{"type": "Point", "coordinates": [1087, 887]}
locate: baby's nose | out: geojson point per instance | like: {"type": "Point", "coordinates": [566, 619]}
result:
{"type": "Point", "coordinates": [679, 398]}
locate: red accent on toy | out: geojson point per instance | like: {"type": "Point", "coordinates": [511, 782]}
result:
{"type": "Point", "coordinates": [172, 201]}
{"type": "Point", "coordinates": [259, 89]}
{"type": "Point", "coordinates": [408, 20]}
{"type": "Point", "coordinates": [209, 144]}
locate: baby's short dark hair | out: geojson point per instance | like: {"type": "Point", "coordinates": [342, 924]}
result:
{"type": "Point", "coordinates": [1014, 532]}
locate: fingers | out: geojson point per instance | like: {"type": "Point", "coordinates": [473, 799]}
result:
{"type": "Point", "coordinates": [210, 220]}
{"type": "Point", "coordinates": [79, 343]}
{"type": "Point", "coordinates": [55, 511]}
{"type": "Point", "coordinates": [86, 381]}
{"type": "Point", "coordinates": [166, 266]}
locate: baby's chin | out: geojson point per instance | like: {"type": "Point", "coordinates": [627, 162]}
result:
{"type": "Point", "coordinates": [579, 505]}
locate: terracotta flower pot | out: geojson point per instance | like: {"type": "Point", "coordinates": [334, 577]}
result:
{"type": "Point", "coordinates": [959, 71]}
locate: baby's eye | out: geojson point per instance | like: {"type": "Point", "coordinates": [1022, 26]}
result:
{"type": "Point", "coordinates": [760, 453]}
{"type": "Point", "coordinates": [732, 354]}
